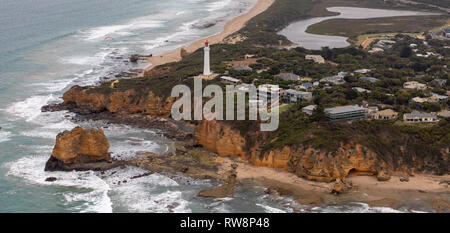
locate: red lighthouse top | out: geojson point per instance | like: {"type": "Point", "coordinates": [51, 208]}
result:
{"type": "Point", "coordinates": [206, 43]}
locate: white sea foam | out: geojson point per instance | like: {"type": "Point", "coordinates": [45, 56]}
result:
{"type": "Point", "coordinates": [51, 123]}
{"type": "Point", "coordinates": [31, 168]}
{"type": "Point", "coordinates": [184, 33]}
{"type": "Point", "coordinates": [355, 207]}
{"type": "Point", "coordinates": [30, 108]}
{"type": "Point", "coordinates": [145, 194]}
{"type": "Point", "coordinates": [218, 5]}
{"type": "Point", "coordinates": [86, 60]}
{"type": "Point", "coordinates": [128, 148]}
{"type": "Point", "coordinates": [269, 209]}
{"type": "Point", "coordinates": [4, 136]}
{"type": "Point", "coordinates": [98, 33]}
{"type": "Point", "coordinates": [55, 85]}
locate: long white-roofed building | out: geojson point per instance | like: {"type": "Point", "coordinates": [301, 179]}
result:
{"type": "Point", "coordinates": [349, 112]}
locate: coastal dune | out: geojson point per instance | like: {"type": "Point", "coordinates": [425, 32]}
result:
{"type": "Point", "coordinates": [231, 27]}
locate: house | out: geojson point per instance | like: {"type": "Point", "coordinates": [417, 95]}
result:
{"type": "Point", "coordinates": [306, 79]}
{"type": "Point", "coordinates": [316, 58]}
{"type": "Point", "coordinates": [444, 114]}
{"type": "Point", "coordinates": [361, 90]}
{"type": "Point", "coordinates": [439, 82]}
{"type": "Point", "coordinates": [414, 85]}
{"type": "Point", "coordinates": [349, 112]}
{"type": "Point", "coordinates": [265, 91]}
{"type": "Point", "coordinates": [376, 50]}
{"type": "Point", "coordinates": [371, 110]}
{"type": "Point", "coordinates": [384, 44]}
{"type": "Point", "coordinates": [362, 71]}
{"type": "Point", "coordinates": [293, 96]}
{"type": "Point", "coordinates": [418, 100]}
{"type": "Point", "coordinates": [288, 77]}
{"type": "Point", "coordinates": [387, 114]}
{"type": "Point", "coordinates": [336, 80]}
{"type": "Point", "coordinates": [243, 68]}
{"type": "Point", "coordinates": [309, 109]}
{"type": "Point", "coordinates": [434, 98]}
{"type": "Point", "coordinates": [417, 116]}
{"type": "Point", "coordinates": [439, 97]}
{"type": "Point", "coordinates": [370, 79]}
{"type": "Point", "coordinates": [446, 32]}
{"type": "Point", "coordinates": [305, 86]}
{"type": "Point", "coordinates": [230, 80]}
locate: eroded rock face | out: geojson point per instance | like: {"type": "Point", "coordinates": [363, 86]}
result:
{"type": "Point", "coordinates": [220, 138]}
{"type": "Point", "coordinates": [80, 149]}
{"type": "Point", "coordinates": [224, 190]}
{"type": "Point", "coordinates": [305, 161]}
{"type": "Point", "coordinates": [128, 101]}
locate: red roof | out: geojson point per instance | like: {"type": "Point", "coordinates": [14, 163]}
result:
{"type": "Point", "coordinates": [206, 42]}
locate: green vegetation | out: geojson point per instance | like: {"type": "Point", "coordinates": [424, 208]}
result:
{"type": "Point", "coordinates": [393, 68]}
{"type": "Point", "coordinates": [352, 28]}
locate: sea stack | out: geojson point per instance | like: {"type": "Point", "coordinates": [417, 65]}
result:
{"type": "Point", "coordinates": [81, 150]}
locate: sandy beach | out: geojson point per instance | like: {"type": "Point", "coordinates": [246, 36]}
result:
{"type": "Point", "coordinates": [392, 193]}
{"type": "Point", "coordinates": [230, 27]}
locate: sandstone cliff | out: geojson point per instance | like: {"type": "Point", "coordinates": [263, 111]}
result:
{"type": "Point", "coordinates": [314, 163]}
{"type": "Point", "coordinates": [128, 101]}
{"type": "Point", "coordinates": [80, 149]}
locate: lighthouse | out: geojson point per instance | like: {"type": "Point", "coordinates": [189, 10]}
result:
{"type": "Point", "coordinates": [206, 67]}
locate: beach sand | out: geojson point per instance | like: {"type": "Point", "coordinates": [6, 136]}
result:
{"type": "Point", "coordinates": [420, 189]}
{"type": "Point", "coordinates": [231, 27]}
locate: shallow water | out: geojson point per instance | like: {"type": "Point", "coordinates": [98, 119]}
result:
{"type": "Point", "coordinates": [296, 32]}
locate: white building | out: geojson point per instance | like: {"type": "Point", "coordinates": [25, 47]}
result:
{"type": "Point", "coordinates": [316, 58]}
{"type": "Point", "coordinates": [265, 91]}
{"type": "Point", "coordinates": [230, 80]}
{"type": "Point", "coordinates": [414, 85]}
{"type": "Point", "coordinates": [417, 116]}
{"type": "Point", "coordinates": [309, 109]}
{"type": "Point", "coordinates": [206, 66]}
{"type": "Point", "coordinates": [293, 96]}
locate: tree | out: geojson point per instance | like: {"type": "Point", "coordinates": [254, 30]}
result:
{"type": "Point", "coordinates": [318, 114]}
{"type": "Point", "coordinates": [406, 51]}
{"type": "Point", "coordinates": [350, 94]}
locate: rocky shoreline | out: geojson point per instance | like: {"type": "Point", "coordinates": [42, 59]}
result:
{"type": "Point", "coordinates": [168, 127]}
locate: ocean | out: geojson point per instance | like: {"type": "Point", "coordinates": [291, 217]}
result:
{"type": "Point", "coordinates": [48, 46]}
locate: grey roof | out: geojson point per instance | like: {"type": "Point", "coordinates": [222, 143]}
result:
{"type": "Point", "coordinates": [310, 107]}
{"type": "Point", "coordinates": [446, 30]}
{"type": "Point", "coordinates": [343, 109]}
{"type": "Point", "coordinates": [419, 114]}
{"type": "Point", "coordinates": [231, 79]}
{"type": "Point", "coordinates": [243, 68]}
{"type": "Point", "coordinates": [294, 92]}
{"type": "Point", "coordinates": [440, 82]}
{"type": "Point", "coordinates": [288, 76]}
{"type": "Point", "coordinates": [370, 79]}
{"type": "Point", "coordinates": [307, 85]}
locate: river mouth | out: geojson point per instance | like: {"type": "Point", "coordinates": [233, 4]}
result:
{"type": "Point", "coordinates": [296, 32]}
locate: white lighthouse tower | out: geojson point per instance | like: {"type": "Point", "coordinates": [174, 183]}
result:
{"type": "Point", "coordinates": [206, 67]}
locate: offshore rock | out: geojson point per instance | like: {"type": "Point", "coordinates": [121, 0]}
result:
{"type": "Point", "coordinates": [81, 150]}
{"type": "Point", "coordinates": [224, 190]}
